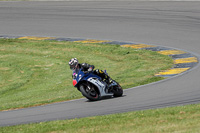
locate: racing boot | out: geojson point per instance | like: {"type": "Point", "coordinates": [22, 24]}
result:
{"type": "Point", "coordinates": [108, 80]}
{"type": "Point", "coordinates": [109, 86]}
{"type": "Point", "coordinates": [104, 76]}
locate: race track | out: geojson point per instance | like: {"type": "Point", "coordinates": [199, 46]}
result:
{"type": "Point", "coordinates": [169, 24]}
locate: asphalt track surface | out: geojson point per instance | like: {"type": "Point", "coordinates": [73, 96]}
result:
{"type": "Point", "coordinates": [169, 24]}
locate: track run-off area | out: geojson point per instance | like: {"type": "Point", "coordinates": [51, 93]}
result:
{"type": "Point", "coordinates": [166, 27]}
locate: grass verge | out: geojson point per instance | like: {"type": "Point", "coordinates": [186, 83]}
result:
{"type": "Point", "coordinates": [37, 72]}
{"type": "Point", "coordinates": [184, 119]}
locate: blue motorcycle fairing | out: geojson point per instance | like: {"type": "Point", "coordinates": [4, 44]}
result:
{"type": "Point", "coordinates": [81, 76]}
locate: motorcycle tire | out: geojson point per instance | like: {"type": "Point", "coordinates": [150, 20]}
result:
{"type": "Point", "coordinates": [117, 90]}
{"type": "Point", "coordinates": [89, 92]}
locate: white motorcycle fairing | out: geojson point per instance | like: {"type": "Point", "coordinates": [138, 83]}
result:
{"type": "Point", "coordinates": [100, 85]}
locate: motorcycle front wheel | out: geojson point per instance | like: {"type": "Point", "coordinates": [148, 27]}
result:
{"type": "Point", "coordinates": [89, 92]}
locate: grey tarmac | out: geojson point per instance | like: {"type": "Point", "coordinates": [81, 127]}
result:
{"type": "Point", "coordinates": [167, 24]}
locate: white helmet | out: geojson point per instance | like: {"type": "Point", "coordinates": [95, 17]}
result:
{"type": "Point", "coordinates": [73, 63]}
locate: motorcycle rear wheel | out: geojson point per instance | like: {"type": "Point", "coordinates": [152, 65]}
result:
{"type": "Point", "coordinates": [89, 92]}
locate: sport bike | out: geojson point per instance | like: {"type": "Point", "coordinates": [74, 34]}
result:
{"type": "Point", "coordinates": [93, 87]}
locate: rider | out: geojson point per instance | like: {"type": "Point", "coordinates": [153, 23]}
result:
{"type": "Point", "coordinates": [74, 65]}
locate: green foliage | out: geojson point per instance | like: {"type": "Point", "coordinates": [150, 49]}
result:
{"type": "Point", "coordinates": [37, 72]}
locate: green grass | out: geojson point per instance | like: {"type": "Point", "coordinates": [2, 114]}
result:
{"type": "Point", "coordinates": [37, 72]}
{"type": "Point", "coordinates": [181, 119]}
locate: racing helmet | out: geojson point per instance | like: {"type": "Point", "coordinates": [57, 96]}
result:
{"type": "Point", "coordinates": [73, 63]}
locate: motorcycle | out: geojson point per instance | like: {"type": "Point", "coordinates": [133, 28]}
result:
{"type": "Point", "coordinates": [93, 87]}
